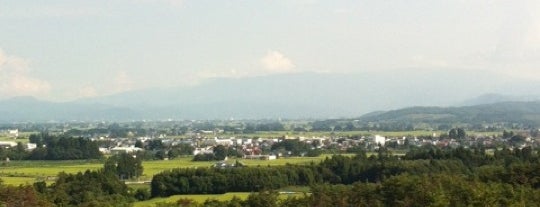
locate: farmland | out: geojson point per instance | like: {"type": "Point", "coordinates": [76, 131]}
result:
{"type": "Point", "coordinates": [22, 172]}
{"type": "Point", "coordinates": [197, 198]}
{"type": "Point", "coordinates": [201, 198]}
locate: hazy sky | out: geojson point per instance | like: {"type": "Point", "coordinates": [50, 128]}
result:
{"type": "Point", "coordinates": [66, 49]}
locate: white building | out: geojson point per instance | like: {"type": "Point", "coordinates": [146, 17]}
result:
{"type": "Point", "coordinates": [224, 142]}
{"type": "Point", "coordinates": [13, 133]}
{"type": "Point", "coordinates": [31, 146]}
{"type": "Point", "coordinates": [207, 150]}
{"type": "Point", "coordinates": [131, 149]}
{"type": "Point", "coordinates": [379, 140]}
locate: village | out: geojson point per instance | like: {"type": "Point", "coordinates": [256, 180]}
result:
{"type": "Point", "coordinates": [201, 143]}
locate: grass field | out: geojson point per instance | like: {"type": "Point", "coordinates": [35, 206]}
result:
{"type": "Point", "coordinates": [18, 180]}
{"type": "Point", "coordinates": [21, 172]}
{"type": "Point", "coordinates": [46, 168]}
{"type": "Point", "coordinates": [202, 198]}
{"type": "Point", "coordinates": [197, 198]}
{"type": "Point", "coordinates": [9, 139]}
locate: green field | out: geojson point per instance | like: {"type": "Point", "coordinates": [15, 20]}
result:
{"type": "Point", "coordinates": [9, 139]}
{"type": "Point", "coordinates": [23, 137]}
{"type": "Point", "coordinates": [153, 167]}
{"type": "Point", "coordinates": [18, 180]}
{"type": "Point", "coordinates": [202, 198]}
{"type": "Point", "coordinates": [197, 198]}
{"type": "Point", "coordinates": [27, 172]}
{"type": "Point", "coordinates": [46, 168]}
{"type": "Point", "coordinates": [21, 172]}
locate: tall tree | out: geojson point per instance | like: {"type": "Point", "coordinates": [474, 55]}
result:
{"type": "Point", "coordinates": [124, 165]}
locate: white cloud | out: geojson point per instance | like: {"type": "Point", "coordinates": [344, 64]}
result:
{"type": "Point", "coordinates": [122, 82]}
{"type": "Point", "coordinates": [15, 79]}
{"type": "Point", "coordinates": [516, 50]}
{"type": "Point", "coordinates": [275, 61]}
{"type": "Point", "coordinates": [87, 91]}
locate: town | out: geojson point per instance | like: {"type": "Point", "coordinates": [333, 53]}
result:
{"type": "Point", "coordinates": [264, 145]}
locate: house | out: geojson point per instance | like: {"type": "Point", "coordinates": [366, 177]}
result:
{"type": "Point", "coordinates": [131, 149]}
{"type": "Point", "coordinates": [379, 140]}
{"type": "Point", "coordinates": [260, 157]}
{"type": "Point", "coordinates": [14, 133]}
{"type": "Point", "coordinates": [31, 146]}
{"type": "Point", "coordinates": [224, 142]}
{"type": "Point", "coordinates": [207, 150]}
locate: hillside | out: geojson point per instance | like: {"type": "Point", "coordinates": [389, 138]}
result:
{"type": "Point", "coordinates": [29, 109]}
{"type": "Point", "coordinates": [516, 112]}
{"type": "Point", "coordinates": [289, 96]}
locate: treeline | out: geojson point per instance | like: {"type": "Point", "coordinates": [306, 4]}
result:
{"type": "Point", "coordinates": [91, 188]}
{"type": "Point", "coordinates": [63, 148]}
{"type": "Point", "coordinates": [402, 190]}
{"type": "Point", "coordinates": [50, 147]}
{"type": "Point", "coordinates": [518, 167]}
{"type": "Point", "coordinates": [335, 170]}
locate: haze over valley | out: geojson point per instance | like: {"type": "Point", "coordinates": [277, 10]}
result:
{"type": "Point", "coordinates": [290, 96]}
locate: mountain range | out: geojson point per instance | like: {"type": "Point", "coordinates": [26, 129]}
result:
{"type": "Point", "coordinates": [508, 112]}
{"type": "Point", "coordinates": [292, 96]}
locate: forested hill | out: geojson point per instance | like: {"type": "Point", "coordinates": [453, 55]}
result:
{"type": "Point", "coordinates": [516, 112]}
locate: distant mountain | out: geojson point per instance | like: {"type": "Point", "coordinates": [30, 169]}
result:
{"type": "Point", "coordinates": [518, 112]}
{"type": "Point", "coordinates": [294, 96]}
{"type": "Point", "coordinates": [302, 95]}
{"type": "Point", "coordinates": [497, 98]}
{"type": "Point", "coordinates": [24, 109]}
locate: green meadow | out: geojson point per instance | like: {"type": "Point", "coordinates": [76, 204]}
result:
{"type": "Point", "coordinates": [22, 172]}
{"type": "Point", "coordinates": [201, 198]}
{"type": "Point", "coordinates": [18, 180]}
{"type": "Point", "coordinates": [197, 198]}
{"type": "Point", "coordinates": [9, 139]}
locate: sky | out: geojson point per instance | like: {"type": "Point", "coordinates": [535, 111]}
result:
{"type": "Point", "coordinates": [68, 49]}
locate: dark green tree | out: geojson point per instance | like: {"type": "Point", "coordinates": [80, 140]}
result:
{"type": "Point", "coordinates": [139, 144]}
{"type": "Point", "coordinates": [220, 152]}
{"type": "Point", "coordinates": [124, 165]}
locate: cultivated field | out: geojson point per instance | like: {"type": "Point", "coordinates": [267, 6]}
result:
{"type": "Point", "coordinates": [202, 198]}
{"type": "Point", "coordinates": [197, 198]}
{"type": "Point", "coordinates": [27, 172]}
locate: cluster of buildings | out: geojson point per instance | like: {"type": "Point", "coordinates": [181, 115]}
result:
{"type": "Point", "coordinates": [259, 148]}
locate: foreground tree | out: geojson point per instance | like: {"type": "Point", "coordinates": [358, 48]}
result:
{"type": "Point", "coordinates": [91, 188]}
{"type": "Point", "coordinates": [21, 196]}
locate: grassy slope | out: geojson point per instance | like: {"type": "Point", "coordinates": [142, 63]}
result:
{"type": "Point", "coordinates": [519, 112]}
